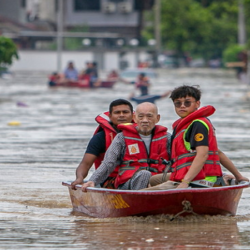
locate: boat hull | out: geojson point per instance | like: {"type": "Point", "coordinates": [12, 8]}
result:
{"type": "Point", "coordinates": [80, 84]}
{"type": "Point", "coordinates": [102, 203]}
{"type": "Point", "coordinates": [103, 84]}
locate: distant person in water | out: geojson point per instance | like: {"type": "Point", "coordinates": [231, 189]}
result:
{"type": "Point", "coordinates": [143, 85]}
{"type": "Point", "coordinates": [113, 76]}
{"type": "Point", "coordinates": [94, 76]}
{"type": "Point", "coordinates": [70, 72]}
{"type": "Point", "coordinates": [90, 75]}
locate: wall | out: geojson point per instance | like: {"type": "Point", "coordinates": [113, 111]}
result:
{"type": "Point", "coordinates": [47, 60]}
{"type": "Point", "coordinates": [98, 18]}
{"type": "Point", "coordinates": [13, 9]}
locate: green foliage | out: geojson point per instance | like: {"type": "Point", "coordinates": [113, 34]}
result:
{"type": "Point", "coordinates": [75, 43]}
{"type": "Point", "coordinates": [8, 51]}
{"type": "Point", "coordinates": [231, 52]}
{"type": "Point", "coordinates": [202, 27]}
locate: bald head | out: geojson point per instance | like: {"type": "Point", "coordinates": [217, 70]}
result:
{"type": "Point", "coordinates": [147, 106]}
{"type": "Point", "coordinates": [146, 116]}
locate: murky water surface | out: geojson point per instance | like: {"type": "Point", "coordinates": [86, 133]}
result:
{"type": "Point", "coordinates": [44, 150]}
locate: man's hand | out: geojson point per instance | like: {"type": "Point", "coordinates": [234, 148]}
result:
{"type": "Point", "coordinates": [228, 177]}
{"type": "Point", "coordinates": [242, 179]}
{"type": "Point", "coordinates": [87, 184]}
{"type": "Point", "coordinates": [182, 185]}
{"type": "Point", "coordinates": [74, 183]}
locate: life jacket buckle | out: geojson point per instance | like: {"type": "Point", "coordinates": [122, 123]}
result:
{"type": "Point", "coordinates": [152, 161]}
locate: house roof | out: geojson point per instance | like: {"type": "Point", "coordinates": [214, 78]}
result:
{"type": "Point", "coordinates": [12, 28]}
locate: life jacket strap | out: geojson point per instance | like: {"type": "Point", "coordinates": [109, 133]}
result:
{"type": "Point", "coordinates": [149, 161]}
{"type": "Point", "coordinates": [192, 154]}
{"type": "Point", "coordinates": [123, 169]}
{"type": "Point", "coordinates": [149, 169]}
{"type": "Point", "coordinates": [126, 166]}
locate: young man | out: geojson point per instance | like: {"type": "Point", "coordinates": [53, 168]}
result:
{"type": "Point", "coordinates": [139, 151]}
{"type": "Point", "coordinates": [194, 153]}
{"type": "Point", "coordinates": [194, 147]}
{"type": "Point", "coordinates": [120, 111]}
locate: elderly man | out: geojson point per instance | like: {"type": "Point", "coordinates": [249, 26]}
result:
{"type": "Point", "coordinates": [139, 151]}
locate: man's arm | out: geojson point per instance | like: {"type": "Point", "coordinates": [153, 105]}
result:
{"type": "Point", "coordinates": [196, 166]}
{"type": "Point", "coordinates": [95, 148]}
{"type": "Point", "coordinates": [166, 94]}
{"type": "Point", "coordinates": [228, 164]}
{"type": "Point", "coordinates": [109, 163]}
{"type": "Point", "coordinates": [83, 169]}
{"type": "Point", "coordinates": [131, 95]}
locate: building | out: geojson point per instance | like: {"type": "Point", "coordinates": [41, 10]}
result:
{"type": "Point", "coordinates": [91, 25]}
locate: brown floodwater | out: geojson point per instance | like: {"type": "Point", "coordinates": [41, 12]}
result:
{"type": "Point", "coordinates": [44, 133]}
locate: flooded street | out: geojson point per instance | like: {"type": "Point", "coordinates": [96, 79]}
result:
{"type": "Point", "coordinates": [44, 133]}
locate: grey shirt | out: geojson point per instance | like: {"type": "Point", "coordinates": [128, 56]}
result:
{"type": "Point", "coordinates": [114, 156]}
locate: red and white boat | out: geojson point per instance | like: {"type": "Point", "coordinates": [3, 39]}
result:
{"type": "Point", "coordinates": [80, 84]}
{"type": "Point", "coordinates": [83, 82]}
{"type": "Point", "coordinates": [103, 203]}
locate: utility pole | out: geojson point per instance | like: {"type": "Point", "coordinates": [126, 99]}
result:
{"type": "Point", "coordinates": [241, 23]}
{"type": "Point", "coordinates": [242, 35]}
{"type": "Point", "coordinates": [59, 35]}
{"type": "Point", "coordinates": [157, 10]}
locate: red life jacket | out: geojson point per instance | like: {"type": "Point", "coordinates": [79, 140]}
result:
{"type": "Point", "coordinates": [136, 157]}
{"type": "Point", "coordinates": [182, 156]}
{"type": "Point", "coordinates": [110, 133]}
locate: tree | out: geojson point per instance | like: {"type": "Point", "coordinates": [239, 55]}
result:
{"type": "Point", "coordinates": [202, 27]}
{"type": "Point", "coordinates": [8, 51]}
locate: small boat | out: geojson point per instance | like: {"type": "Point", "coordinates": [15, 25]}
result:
{"type": "Point", "coordinates": [59, 81]}
{"type": "Point", "coordinates": [104, 203]}
{"type": "Point", "coordinates": [79, 84]}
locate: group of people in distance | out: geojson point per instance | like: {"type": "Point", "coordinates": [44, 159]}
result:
{"type": "Point", "coordinates": [132, 152]}
{"type": "Point", "coordinates": [88, 77]}
{"type": "Point", "coordinates": [142, 83]}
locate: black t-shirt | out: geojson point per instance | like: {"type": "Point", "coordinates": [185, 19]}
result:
{"type": "Point", "coordinates": [144, 90]}
{"type": "Point", "coordinates": [97, 144]}
{"type": "Point", "coordinates": [197, 135]}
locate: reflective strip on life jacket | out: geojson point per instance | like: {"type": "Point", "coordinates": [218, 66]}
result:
{"type": "Point", "coordinates": [179, 133]}
{"type": "Point", "coordinates": [104, 116]}
{"type": "Point", "coordinates": [132, 138]}
{"type": "Point", "coordinates": [123, 169]}
{"type": "Point", "coordinates": [189, 163]}
{"type": "Point", "coordinates": [159, 138]}
{"type": "Point", "coordinates": [191, 154]}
